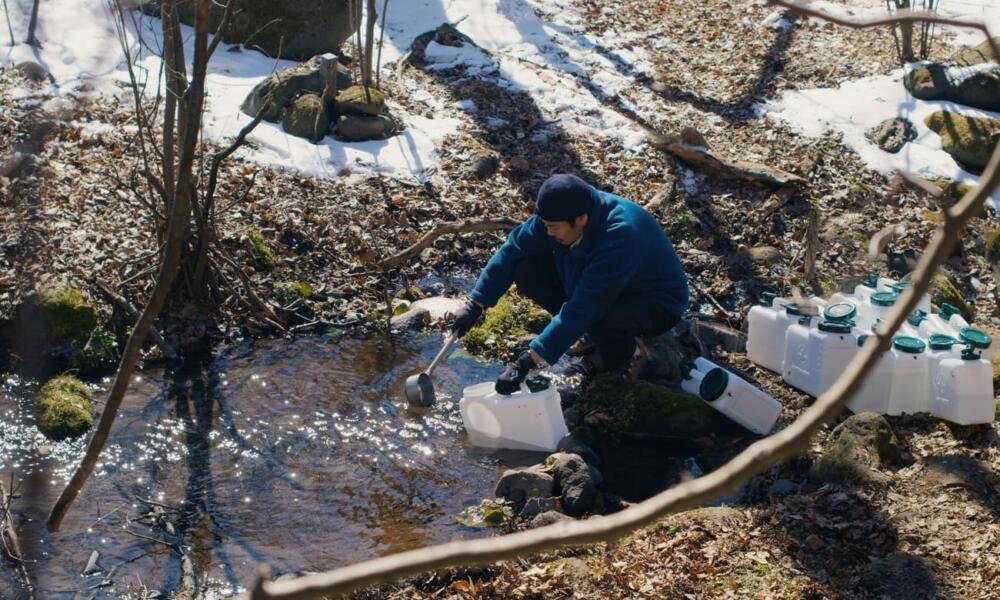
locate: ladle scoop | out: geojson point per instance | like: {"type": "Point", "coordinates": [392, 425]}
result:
{"type": "Point", "coordinates": [419, 388]}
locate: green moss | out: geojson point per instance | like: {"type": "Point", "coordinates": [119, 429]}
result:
{"type": "Point", "coordinates": [996, 374]}
{"type": "Point", "coordinates": [860, 443]}
{"type": "Point", "coordinates": [262, 255]}
{"type": "Point", "coordinates": [358, 99]}
{"type": "Point", "coordinates": [63, 408]}
{"type": "Point", "coordinates": [970, 140]}
{"type": "Point", "coordinates": [401, 309]}
{"type": "Point", "coordinates": [512, 318]}
{"type": "Point", "coordinates": [99, 355]}
{"type": "Point", "coordinates": [993, 247]}
{"type": "Point", "coordinates": [411, 294]}
{"type": "Point", "coordinates": [944, 291]}
{"type": "Point", "coordinates": [68, 315]}
{"type": "Point", "coordinates": [629, 405]}
{"type": "Point", "coordinates": [681, 226]}
{"type": "Point", "coordinates": [287, 292]}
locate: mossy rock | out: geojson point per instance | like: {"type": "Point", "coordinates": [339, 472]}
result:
{"type": "Point", "coordinates": [993, 247]}
{"type": "Point", "coordinates": [356, 100]}
{"type": "Point", "coordinates": [307, 118]}
{"type": "Point", "coordinates": [319, 76]}
{"type": "Point", "coordinates": [977, 55]}
{"type": "Point", "coordinates": [969, 140]}
{"type": "Point", "coordinates": [943, 290]}
{"type": "Point", "coordinates": [410, 294]}
{"type": "Point", "coordinates": [287, 292]}
{"type": "Point", "coordinates": [615, 408]}
{"type": "Point", "coordinates": [978, 88]}
{"type": "Point", "coordinates": [854, 449]}
{"type": "Point", "coordinates": [361, 128]}
{"type": "Point", "coordinates": [513, 318]}
{"type": "Point", "coordinates": [68, 315]}
{"type": "Point", "coordinates": [63, 408]}
{"type": "Point", "coordinates": [263, 258]}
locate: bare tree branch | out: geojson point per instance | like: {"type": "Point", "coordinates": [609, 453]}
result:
{"type": "Point", "coordinates": [759, 457]}
{"type": "Point", "coordinates": [445, 228]}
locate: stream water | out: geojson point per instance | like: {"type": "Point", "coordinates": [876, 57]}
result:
{"type": "Point", "coordinates": [297, 454]}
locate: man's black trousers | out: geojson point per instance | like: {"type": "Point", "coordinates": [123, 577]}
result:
{"type": "Point", "coordinates": [619, 320]}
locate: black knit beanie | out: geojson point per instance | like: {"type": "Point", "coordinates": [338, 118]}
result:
{"type": "Point", "coordinates": [564, 198]}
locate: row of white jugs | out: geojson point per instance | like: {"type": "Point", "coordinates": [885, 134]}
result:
{"type": "Point", "coordinates": [934, 365]}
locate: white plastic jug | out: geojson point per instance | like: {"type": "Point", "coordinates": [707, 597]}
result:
{"type": "Point", "coordinates": [854, 301]}
{"type": "Point", "coordinates": [732, 396]}
{"type": "Point", "coordinates": [520, 421]}
{"type": "Point", "coordinates": [815, 357]}
{"type": "Point", "coordinates": [898, 382]}
{"type": "Point", "coordinates": [886, 284]}
{"type": "Point", "coordinates": [962, 387]}
{"type": "Point", "coordinates": [877, 307]}
{"type": "Point", "coordinates": [766, 332]}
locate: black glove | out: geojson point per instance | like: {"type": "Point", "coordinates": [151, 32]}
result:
{"type": "Point", "coordinates": [465, 318]}
{"type": "Point", "coordinates": [515, 374]}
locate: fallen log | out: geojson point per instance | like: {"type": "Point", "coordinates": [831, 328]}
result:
{"type": "Point", "coordinates": [691, 147]}
{"type": "Point", "coordinates": [445, 228]}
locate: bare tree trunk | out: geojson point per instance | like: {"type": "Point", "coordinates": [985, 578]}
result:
{"type": "Point", "coordinates": [180, 217]}
{"type": "Point", "coordinates": [10, 29]}
{"type": "Point", "coordinates": [370, 41]}
{"type": "Point", "coordinates": [906, 33]}
{"type": "Point", "coordinates": [31, 41]}
{"type": "Point", "coordinates": [381, 38]}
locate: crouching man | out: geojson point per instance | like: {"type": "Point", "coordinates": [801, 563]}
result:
{"type": "Point", "coordinates": [600, 264]}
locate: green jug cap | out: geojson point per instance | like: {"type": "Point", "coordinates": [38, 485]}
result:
{"type": "Point", "coordinates": [977, 338]}
{"type": "Point", "coordinates": [899, 286]}
{"type": "Point", "coordinates": [947, 310]}
{"type": "Point", "coordinates": [872, 279]}
{"type": "Point", "coordinates": [713, 384]}
{"type": "Point", "coordinates": [884, 298]}
{"type": "Point", "coordinates": [836, 326]}
{"type": "Point", "coordinates": [805, 320]}
{"type": "Point", "coordinates": [969, 353]}
{"type": "Point", "coordinates": [916, 317]}
{"type": "Point", "coordinates": [840, 312]}
{"type": "Point", "coordinates": [793, 309]}
{"type": "Point", "coordinates": [862, 338]}
{"type": "Point", "coordinates": [940, 341]}
{"type": "Point", "coordinates": [537, 383]}
{"type": "Point", "coordinates": [767, 299]}
{"type": "Point", "coordinates": [910, 345]}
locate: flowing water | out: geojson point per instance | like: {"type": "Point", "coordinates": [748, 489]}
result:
{"type": "Point", "coordinates": [297, 454]}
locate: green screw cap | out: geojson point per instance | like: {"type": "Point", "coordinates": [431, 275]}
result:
{"type": "Point", "coordinates": [537, 383]}
{"type": "Point", "coordinates": [899, 286]}
{"type": "Point", "coordinates": [793, 309]}
{"type": "Point", "coordinates": [872, 279]}
{"type": "Point", "coordinates": [940, 341]}
{"type": "Point", "coordinates": [840, 312]}
{"type": "Point", "coordinates": [916, 317]}
{"type": "Point", "coordinates": [969, 353]}
{"type": "Point", "coordinates": [767, 299]}
{"type": "Point", "coordinates": [975, 337]}
{"type": "Point", "coordinates": [947, 310]}
{"type": "Point", "coordinates": [910, 345]}
{"type": "Point", "coordinates": [713, 384]}
{"type": "Point", "coordinates": [884, 298]}
{"type": "Point", "coordinates": [836, 326]}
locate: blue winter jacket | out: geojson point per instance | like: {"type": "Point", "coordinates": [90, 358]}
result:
{"type": "Point", "coordinates": [623, 251]}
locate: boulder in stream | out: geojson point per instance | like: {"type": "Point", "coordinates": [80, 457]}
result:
{"type": "Point", "coordinates": [63, 408]}
{"type": "Point", "coordinates": [520, 485]}
{"type": "Point", "coordinates": [575, 482]}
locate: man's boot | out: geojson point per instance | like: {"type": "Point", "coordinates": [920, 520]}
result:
{"type": "Point", "coordinates": [582, 346]}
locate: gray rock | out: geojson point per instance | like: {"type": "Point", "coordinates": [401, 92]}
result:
{"type": "Point", "coordinates": [519, 485]}
{"type": "Point", "coordinates": [717, 335]}
{"type": "Point", "coordinates": [92, 567]}
{"type": "Point", "coordinates": [320, 76]}
{"type": "Point", "coordinates": [411, 320]}
{"type": "Point", "coordinates": [572, 445]}
{"type": "Point", "coordinates": [548, 518]}
{"type": "Point", "coordinates": [307, 118]}
{"type": "Point", "coordinates": [486, 165]}
{"type": "Point", "coordinates": [291, 30]}
{"type": "Point", "coordinates": [780, 487]}
{"type": "Point", "coordinates": [765, 255]}
{"type": "Point", "coordinates": [978, 87]}
{"type": "Point", "coordinates": [892, 134]}
{"type": "Point", "coordinates": [536, 506]}
{"type": "Point", "coordinates": [575, 483]}
{"type": "Point", "coordinates": [358, 128]}
{"type": "Point", "coordinates": [32, 71]}
{"type": "Point", "coordinates": [855, 449]}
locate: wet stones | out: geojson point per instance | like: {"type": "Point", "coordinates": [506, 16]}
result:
{"type": "Point", "coordinates": [892, 134]}
{"type": "Point", "coordinates": [855, 450]}
{"type": "Point", "coordinates": [574, 479]}
{"type": "Point", "coordinates": [519, 486]}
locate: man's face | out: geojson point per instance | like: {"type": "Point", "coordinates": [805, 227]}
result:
{"type": "Point", "coordinates": [564, 232]}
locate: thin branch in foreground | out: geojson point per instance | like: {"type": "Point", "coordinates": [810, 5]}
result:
{"type": "Point", "coordinates": [430, 237]}
{"type": "Point", "coordinates": [757, 458]}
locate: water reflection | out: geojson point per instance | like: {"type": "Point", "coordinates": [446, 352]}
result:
{"type": "Point", "coordinates": [299, 454]}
